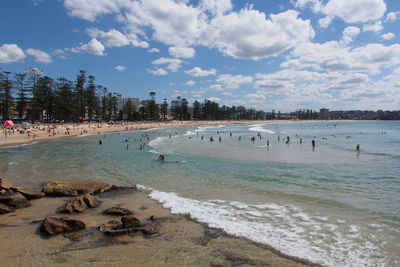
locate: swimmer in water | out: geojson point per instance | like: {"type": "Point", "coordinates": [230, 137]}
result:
{"type": "Point", "coordinates": [100, 142]}
{"type": "Point", "coordinates": [161, 157]}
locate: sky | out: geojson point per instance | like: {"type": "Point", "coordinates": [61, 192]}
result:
{"type": "Point", "coordinates": [266, 54]}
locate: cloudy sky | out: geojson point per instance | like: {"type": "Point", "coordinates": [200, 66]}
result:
{"type": "Point", "coordinates": [268, 54]}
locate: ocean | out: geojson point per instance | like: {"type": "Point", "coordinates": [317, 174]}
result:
{"type": "Point", "coordinates": [330, 204]}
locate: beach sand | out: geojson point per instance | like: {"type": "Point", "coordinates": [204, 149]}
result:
{"type": "Point", "coordinates": [179, 242]}
{"type": "Point", "coordinates": [42, 132]}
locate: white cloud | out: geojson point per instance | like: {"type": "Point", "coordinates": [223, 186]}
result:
{"type": "Point", "coordinates": [373, 27]}
{"type": "Point", "coordinates": [190, 83]}
{"type": "Point", "coordinates": [315, 5]}
{"type": "Point", "coordinates": [216, 87]}
{"type": "Point", "coordinates": [181, 52]}
{"type": "Point", "coordinates": [94, 47]}
{"type": "Point", "coordinates": [349, 34]}
{"type": "Point", "coordinates": [173, 64]}
{"type": "Point", "coordinates": [388, 36]}
{"type": "Point", "coordinates": [325, 22]}
{"type": "Point", "coordinates": [233, 81]}
{"type": "Point", "coordinates": [89, 10]}
{"type": "Point", "coordinates": [249, 34]}
{"type": "Point", "coordinates": [198, 72]}
{"type": "Point", "coordinates": [119, 68]}
{"type": "Point", "coordinates": [392, 16]}
{"type": "Point", "coordinates": [216, 7]}
{"type": "Point", "coordinates": [11, 53]}
{"type": "Point", "coordinates": [153, 50]}
{"type": "Point", "coordinates": [39, 55]}
{"type": "Point", "coordinates": [256, 96]}
{"type": "Point", "coordinates": [333, 56]}
{"type": "Point", "coordinates": [355, 11]}
{"type": "Point", "coordinates": [159, 72]}
{"type": "Point", "coordinates": [110, 39]}
{"type": "Point", "coordinates": [214, 99]}
{"type": "Point", "coordinates": [173, 23]}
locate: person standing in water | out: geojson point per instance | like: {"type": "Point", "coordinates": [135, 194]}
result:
{"type": "Point", "coordinates": [313, 143]}
{"type": "Point", "coordinates": [219, 139]}
{"type": "Point", "coordinates": [358, 147]}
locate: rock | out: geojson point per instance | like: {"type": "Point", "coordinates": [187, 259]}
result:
{"type": "Point", "coordinates": [79, 204]}
{"type": "Point", "coordinates": [54, 225]}
{"type": "Point", "coordinates": [13, 199]}
{"type": "Point", "coordinates": [5, 183]}
{"type": "Point", "coordinates": [130, 222]}
{"type": "Point", "coordinates": [117, 211]}
{"type": "Point", "coordinates": [149, 230]}
{"type": "Point", "coordinates": [5, 209]}
{"type": "Point", "coordinates": [28, 193]}
{"type": "Point", "coordinates": [120, 231]}
{"type": "Point", "coordinates": [74, 188]}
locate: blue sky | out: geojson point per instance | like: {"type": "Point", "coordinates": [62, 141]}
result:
{"type": "Point", "coordinates": [282, 55]}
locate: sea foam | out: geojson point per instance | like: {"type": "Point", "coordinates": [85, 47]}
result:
{"type": "Point", "coordinates": [286, 228]}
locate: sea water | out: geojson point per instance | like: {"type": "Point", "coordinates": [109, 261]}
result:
{"type": "Point", "coordinates": [329, 204]}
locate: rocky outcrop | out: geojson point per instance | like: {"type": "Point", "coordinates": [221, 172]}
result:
{"type": "Point", "coordinates": [79, 204]}
{"type": "Point", "coordinates": [74, 188]}
{"type": "Point", "coordinates": [117, 211]}
{"type": "Point", "coordinates": [13, 200]}
{"type": "Point", "coordinates": [27, 192]}
{"type": "Point", "coordinates": [57, 225]}
{"type": "Point", "coordinates": [5, 184]}
{"type": "Point", "coordinates": [5, 209]}
{"type": "Point", "coordinates": [130, 222]}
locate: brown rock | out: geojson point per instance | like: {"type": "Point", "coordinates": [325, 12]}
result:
{"type": "Point", "coordinates": [117, 211]}
{"type": "Point", "coordinates": [54, 225]}
{"type": "Point", "coordinates": [149, 230]}
{"type": "Point", "coordinates": [121, 231]}
{"type": "Point", "coordinates": [28, 193]}
{"type": "Point", "coordinates": [5, 183]}
{"type": "Point", "coordinates": [5, 209]}
{"type": "Point", "coordinates": [74, 188]}
{"type": "Point", "coordinates": [130, 222]}
{"type": "Point", "coordinates": [13, 199]}
{"type": "Point", "coordinates": [79, 204]}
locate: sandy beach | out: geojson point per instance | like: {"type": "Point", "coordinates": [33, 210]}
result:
{"type": "Point", "coordinates": [43, 132]}
{"type": "Point", "coordinates": [178, 240]}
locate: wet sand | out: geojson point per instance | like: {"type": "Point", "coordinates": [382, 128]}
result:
{"type": "Point", "coordinates": [179, 242]}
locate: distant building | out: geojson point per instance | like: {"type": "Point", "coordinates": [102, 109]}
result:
{"type": "Point", "coordinates": [121, 101]}
{"type": "Point", "coordinates": [324, 114]}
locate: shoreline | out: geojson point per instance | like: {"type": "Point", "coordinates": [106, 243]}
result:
{"type": "Point", "coordinates": [42, 133]}
{"type": "Point", "coordinates": [178, 241]}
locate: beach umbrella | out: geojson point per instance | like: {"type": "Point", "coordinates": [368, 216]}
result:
{"type": "Point", "coordinates": [8, 123]}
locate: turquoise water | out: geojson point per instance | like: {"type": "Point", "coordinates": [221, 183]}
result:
{"type": "Point", "coordinates": [331, 204]}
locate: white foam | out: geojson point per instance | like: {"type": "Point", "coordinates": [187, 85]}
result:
{"type": "Point", "coordinates": [286, 228]}
{"type": "Point", "coordinates": [21, 145]}
{"type": "Point", "coordinates": [261, 130]}
{"type": "Point", "coordinates": [157, 141]}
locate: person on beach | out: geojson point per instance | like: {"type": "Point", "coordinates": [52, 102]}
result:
{"type": "Point", "coordinates": [287, 140]}
{"type": "Point", "coordinates": [211, 139]}
{"type": "Point", "coordinates": [301, 141]}
{"type": "Point", "coordinates": [230, 134]}
{"type": "Point", "coordinates": [240, 138]}
{"type": "Point", "coordinates": [202, 137]}
{"type": "Point", "coordinates": [268, 143]}
{"type": "Point", "coordinates": [358, 147]}
{"type": "Point", "coordinates": [313, 143]}
{"type": "Point", "coordinates": [219, 139]}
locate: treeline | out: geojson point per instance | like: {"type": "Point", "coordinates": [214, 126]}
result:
{"type": "Point", "coordinates": [32, 96]}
